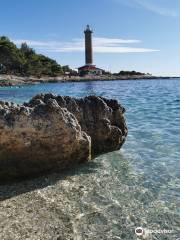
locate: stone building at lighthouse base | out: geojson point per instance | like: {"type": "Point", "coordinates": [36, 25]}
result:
{"type": "Point", "coordinates": [90, 70]}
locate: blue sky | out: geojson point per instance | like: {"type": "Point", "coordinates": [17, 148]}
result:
{"type": "Point", "coordinates": [141, 35]}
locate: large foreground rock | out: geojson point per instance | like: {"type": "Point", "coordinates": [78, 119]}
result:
{"type": "Point", "coordinates": [51, 133]}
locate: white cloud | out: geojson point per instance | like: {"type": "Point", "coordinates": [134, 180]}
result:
{"type": "Point", "coordinates": [31, 42]}
{"type": "Point", "coordinates": [122, 50]}
{"type": "Point", "coordinates": [113, 41]}
{"type": "Point", "coordinates": [100, 45]}
{"type": "Point", "coordinates": [157, 8]}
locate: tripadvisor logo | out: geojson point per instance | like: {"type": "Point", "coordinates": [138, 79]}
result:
{"type": "Point", "coordinates": [139, 231]}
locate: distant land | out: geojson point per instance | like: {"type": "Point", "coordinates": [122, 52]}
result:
{"type": "Point", "coordinates": [19, 66]}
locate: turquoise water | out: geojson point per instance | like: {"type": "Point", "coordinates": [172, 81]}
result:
{"type": "Point", "coordinates": [137, 186]}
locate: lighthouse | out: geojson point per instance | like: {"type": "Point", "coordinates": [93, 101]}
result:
{"type": "Point", "coordinates": [88, 46]}
{"type": "Point", "coordinates": [89, 68]}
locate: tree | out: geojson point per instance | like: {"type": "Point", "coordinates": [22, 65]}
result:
{"type": "Point", "coordinates": [10, 56]}
{"type": "Point", "coordinates": [26, 61]}
{"type": "Point", "coordinates": [26, 50]}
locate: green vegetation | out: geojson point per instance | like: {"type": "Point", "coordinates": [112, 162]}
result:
{"type": "Point", "coordinates": [129, 73]}
{"type": "Point", "coordinates": [25, 61]}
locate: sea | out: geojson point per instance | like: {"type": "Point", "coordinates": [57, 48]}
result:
{"type": "Point", "coordinates": [133, 193]}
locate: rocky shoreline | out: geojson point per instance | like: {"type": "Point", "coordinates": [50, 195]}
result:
{"type": "Point", "coordinates": [13, 80]}
{"type": "Point", "coordinates": [52, 133]}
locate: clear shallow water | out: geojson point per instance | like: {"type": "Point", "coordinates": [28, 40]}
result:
{"type": "Point", "coordinates": [136, 186]}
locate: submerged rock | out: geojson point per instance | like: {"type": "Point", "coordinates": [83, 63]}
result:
{"type": "Point", "coordinates": [51, 133]}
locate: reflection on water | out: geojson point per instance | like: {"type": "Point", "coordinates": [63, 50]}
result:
{"type": "Point", "coordinates": [137, 186]}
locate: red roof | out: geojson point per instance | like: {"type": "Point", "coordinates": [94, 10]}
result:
{"type": "Point", "coordinates": [89, 67]}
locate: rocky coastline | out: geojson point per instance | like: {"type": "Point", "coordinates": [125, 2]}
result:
{"type": "Point", "coordinates": [51, 133]}
{"type": "Point", "coordinates": [7, 80]}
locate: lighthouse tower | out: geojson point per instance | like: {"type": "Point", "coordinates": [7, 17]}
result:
{"type": "Point", "coordinates": [88, 46]}
{"type": "Point", "coordinates": [89, 68]}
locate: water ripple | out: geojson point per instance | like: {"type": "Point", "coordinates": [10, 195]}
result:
{"type": "Point", "coordinates": [138, 186]}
